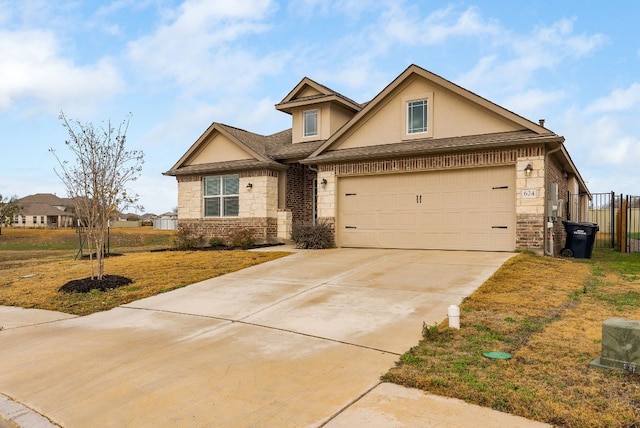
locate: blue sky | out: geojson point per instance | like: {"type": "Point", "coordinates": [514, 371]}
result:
{"type": "Point", "coordinates": [177, 66]}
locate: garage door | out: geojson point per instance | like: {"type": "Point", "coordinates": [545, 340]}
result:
{"type": "Point", "coordinates": [469, 209]}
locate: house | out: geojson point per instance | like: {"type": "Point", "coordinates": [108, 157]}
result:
{"type": "Point", "coordinates": [425, 164]}
{"type": "Point", "coordinates": [44, 210]}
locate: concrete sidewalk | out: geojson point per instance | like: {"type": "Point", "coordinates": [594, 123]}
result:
{"type": "Point", "coordinates": [299, 341]}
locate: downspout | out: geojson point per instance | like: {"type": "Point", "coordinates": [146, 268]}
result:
{"type": "Point", "coordinates": [548, 226]}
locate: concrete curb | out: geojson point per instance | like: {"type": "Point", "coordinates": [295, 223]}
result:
{"type": "Point", "coordinates": [19, 415]}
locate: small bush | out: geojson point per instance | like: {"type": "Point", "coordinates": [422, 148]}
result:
{"type": "Point", "coordinates": [187, 238]}
{"type": "Point", "coordinates": [241, 238]}
{"type": "Point", "coordinates": [430, 332]}
{"type": "Point", "coordinates": [217, 242]}
{"type": "Point", "coordinates": [313, 236]}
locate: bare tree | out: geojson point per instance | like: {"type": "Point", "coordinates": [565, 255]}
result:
{"type": "Point", "coordinates": [8, 209]}
{"type": "Point", "coordinates": [97, 180]}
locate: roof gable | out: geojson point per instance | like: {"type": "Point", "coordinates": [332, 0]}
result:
{"type": "Point", "coordinates": [309, 92]}
{"type": "Point", "coordinates": [222, 143]}
{"type": "Point", "coordinates": [384, 115]}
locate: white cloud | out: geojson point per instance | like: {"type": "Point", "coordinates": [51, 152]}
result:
{"type": "Point", "coordinates": [196, 49]}
{"type": "Point", "coordinates": [398, 25]}
{"type": "Point", "coordinates": [618, 100]}
{"type": "Point", "coordinates": [33, 68]}
{"type": "Point", "coordinates": [533, 101]}
{"type": "Point", "coordinates": [442, 25]}
{"type": "Point", "coordinates": [545, 49]}
{"type": "Point", "coordinates": [352, 9]}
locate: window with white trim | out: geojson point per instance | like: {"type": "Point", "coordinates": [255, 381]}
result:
{"type": "Point", "coordinates": [310, 123]}
{"type": "Point", "coordinates": [417, 116]}
{"type": "Point", "coordinates": [221, 196]}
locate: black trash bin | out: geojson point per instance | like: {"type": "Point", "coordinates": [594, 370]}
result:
{"type": "Point", "coordinates": [580, 238]}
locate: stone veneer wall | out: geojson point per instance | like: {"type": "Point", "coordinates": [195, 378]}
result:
{"type": "Point", "coordinates": [257, 209]}
{"type": "Point", "coordinates": [530, 200]}
{"type": "Point", "coordinates": [529, 211]}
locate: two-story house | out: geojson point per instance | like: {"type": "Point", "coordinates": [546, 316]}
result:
{"type": "Point", "coordinates": [425, 164]}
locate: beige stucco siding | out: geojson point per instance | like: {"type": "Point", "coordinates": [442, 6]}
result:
{"type": "Point", "coordinates": [450, 116]}
{"type": "Point", "coordinates": [308, 91]}
{"type": "Point", "coordinates": [339, 116]}
{"type": "Point", "coordinates": [218, 149]}
{"type": "Point", "coordinates": [330, 118]}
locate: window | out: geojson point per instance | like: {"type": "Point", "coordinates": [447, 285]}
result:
{"type": "Point", "coordinates": [42, 219]}
{"type": "Point", "coordinates": [417, 117]}
{"type": "Point", "coordinates": [310, 123]}
{"type": "Point", "coordinates": [35, 219]}
{"type": "Point", "coordinates": [15, 219]}
{"type": "Point", "coordinates": [24, 219]}
{"type": "Point", "coordinates": [221, 196]}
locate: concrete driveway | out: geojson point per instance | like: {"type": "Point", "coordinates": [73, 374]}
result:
{"type": "Point", "coordinates": [299, 341]}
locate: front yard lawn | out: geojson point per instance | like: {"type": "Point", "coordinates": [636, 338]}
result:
{"type": "Point", "coordinates": [34, 282]}
{"type": "Point", "coordinates": [548, 314]}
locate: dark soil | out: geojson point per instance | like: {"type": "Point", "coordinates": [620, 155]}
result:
{"type": "Point", "coordinates": [94, 256]}
{"type": "Point", "coordinates": [216, 248]}
{"type": "Point", "coordinates": [85, 285]}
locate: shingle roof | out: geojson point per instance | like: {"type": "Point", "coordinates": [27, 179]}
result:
{"type": "Point", "coordinates": [326, 94]}
{"type": "Point", "coordinates": [272, 148]}
{"type": "Point", "coordinates": [44, 204]}
{"type": "Point", "coordinates": [425, 146]}
{"type": "Point", "coordinates": [236, 165]}
{"type": "Point", "coordinates": [41, 209]}
{"type": "Point", "coordinates": [44, 198]}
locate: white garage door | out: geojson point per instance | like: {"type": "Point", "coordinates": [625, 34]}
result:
{"type": "Point", "coordinates": [467, 209]}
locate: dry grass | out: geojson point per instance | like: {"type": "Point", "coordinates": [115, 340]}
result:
{"type": "Point", "coordinates": [30, 278]}
{"type": "Point", "coordinates": [548, 314]}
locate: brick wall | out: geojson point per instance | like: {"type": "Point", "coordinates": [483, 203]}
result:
{"type": "Point", "coordinates": [556, 175]}
{"type": "Point", "coordinates": [530, 232]}
{"type": "Point", "coordinates": [265, 229]}
{"type": "Point", "coordinates": [299, 197]}
{"type": "Point", "coordinates": [425, 163]}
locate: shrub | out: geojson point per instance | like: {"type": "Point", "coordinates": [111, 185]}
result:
{"type": "Point", "coordinates": [241, 238]}
{"type": "Point", "coordinates": [313, 236]}
{"type": "Point", "coordinates": [217, 242]}
{"type": "Point", "coordinates": [187, 238]}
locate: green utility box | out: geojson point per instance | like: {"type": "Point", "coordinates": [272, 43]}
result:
{"type": "Point", "coordinates": [620, 345]}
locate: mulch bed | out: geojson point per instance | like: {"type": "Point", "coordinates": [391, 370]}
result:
{"type": "Point", "coordinates": [85, 285]}
{"type": "Point", "coordinates": [216, 248]}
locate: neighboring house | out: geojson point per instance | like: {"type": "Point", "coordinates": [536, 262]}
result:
{"type": "Point", "coordinates": [44, 210]}
{"type": "Point", "coordinates": [424, 164]}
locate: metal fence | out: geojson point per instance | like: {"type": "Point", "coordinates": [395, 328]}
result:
{"type": "Point", "coordinates": [618, 219]}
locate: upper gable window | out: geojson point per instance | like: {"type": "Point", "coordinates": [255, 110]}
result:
{"type": "Point", "coordinates": [310, 123]}
{"type": "Point", "coordinates": [417, 116]}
